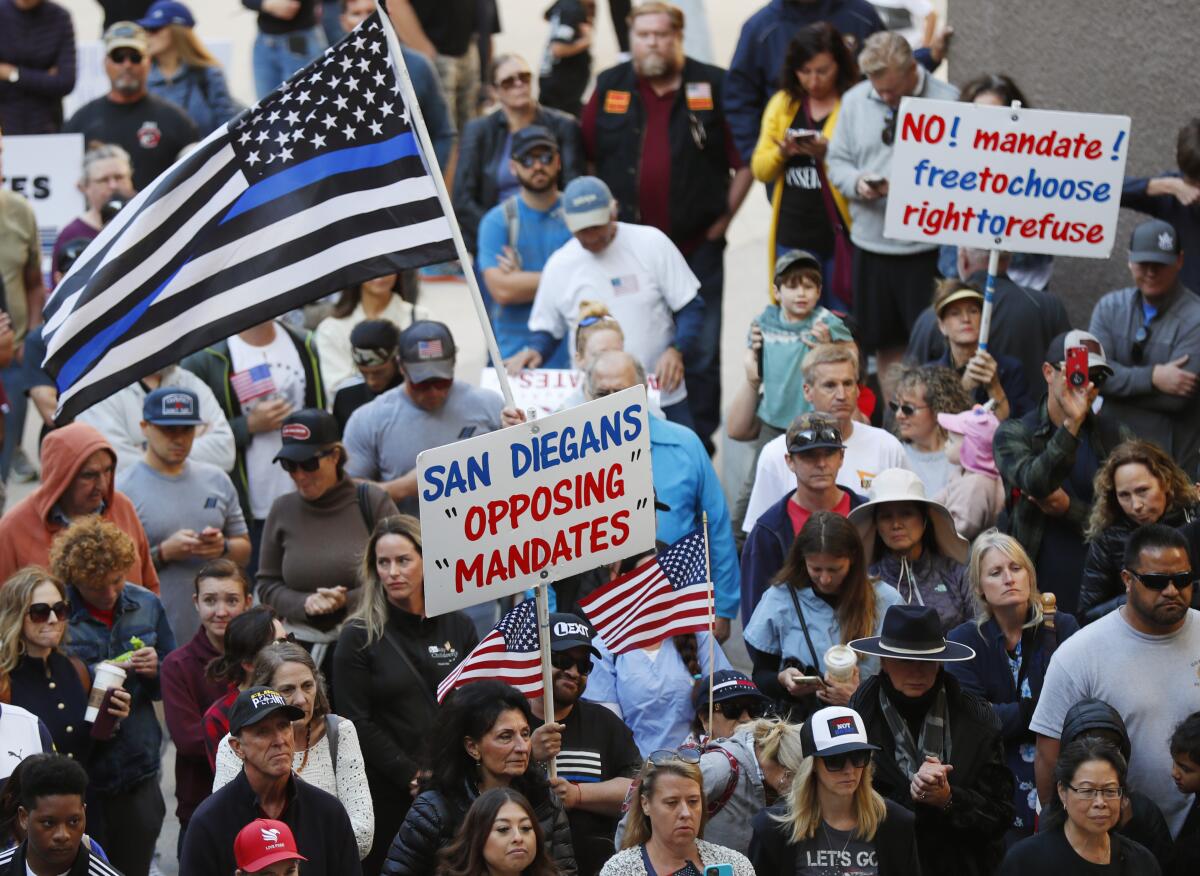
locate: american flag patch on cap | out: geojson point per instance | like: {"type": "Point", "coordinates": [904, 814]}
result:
{"type": "Point", "coordinates": [430, 349]}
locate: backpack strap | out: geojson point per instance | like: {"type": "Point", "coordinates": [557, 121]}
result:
{"type": "Point", "coordinates": [364, 505]}
{"type": "Point", "coordinates": [331, 733]}
{"type": "Point", "coordinates": [85, 677]}
{"type": "Point", "coordinates": [717, 802]}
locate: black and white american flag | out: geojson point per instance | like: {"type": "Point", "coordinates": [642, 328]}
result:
{"type": "Point", "coordinates": [509, 653]}
{"type": "Point", "coordinates": [319, 186]}
{"type": "Point", "coordinates": [666, 596]}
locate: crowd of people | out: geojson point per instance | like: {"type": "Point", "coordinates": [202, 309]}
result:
{"type": "Point", "coordinates": [965, 572]}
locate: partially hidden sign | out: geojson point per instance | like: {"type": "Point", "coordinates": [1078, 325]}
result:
{"type": "Point", "coordinates": [1006, 178]}
{"type": "Point", "coordinates": [536, 502]}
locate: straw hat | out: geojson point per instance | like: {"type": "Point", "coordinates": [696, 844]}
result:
{"type": "Point", "coordinates": [902, 485]}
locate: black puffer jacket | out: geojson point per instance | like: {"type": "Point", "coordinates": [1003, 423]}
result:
{"type": "Point", "coordinates": [1102, 589]}
{"type": "Point", "coordinates": [433, 819]}
{"type": "Point", "coordinates": [968, 838]}
{"type": "Point", "coordinates": [479, 153]}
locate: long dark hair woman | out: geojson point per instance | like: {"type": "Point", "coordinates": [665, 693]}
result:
{"type": "Point", "coordinates": [387, 666]}
{"type": "Point", "coordinates": [482, 742]}
{"type": "Point", "coordinates": [1079, 837]}
{"type": "Point", "coordinates": [807, 212]}
{"type": "Point", "coordinates": [500, 836]}
{"type": "Point", "coordinates": [821, 599]}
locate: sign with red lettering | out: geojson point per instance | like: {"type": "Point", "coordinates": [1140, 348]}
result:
{"type": "Point", "coordinates": [1006, 178]}
{"type": "Point", "coordinates": [536, 502]}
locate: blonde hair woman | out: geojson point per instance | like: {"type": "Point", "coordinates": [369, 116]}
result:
{"type": "Point", "coordinates": [832, 809]}
{"type": "Point", "coordinates": [1013, 640]}
{"type": "Point", "coordinates": [666, 819]}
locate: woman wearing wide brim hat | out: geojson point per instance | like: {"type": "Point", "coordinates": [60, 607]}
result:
{"type": "Point", "coordinates": [911, 543]}
{"type": "Point", "coordinates": [941, 752]}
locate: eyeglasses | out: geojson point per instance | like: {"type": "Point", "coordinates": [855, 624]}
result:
{"type": "Point", "coordinates": [664, 756]}
{"type": "Point", "coordinates": [734, 709]}
{"type": "Point", "coordinates": [1153, 581]}
{"type": "Point", "coordinates": [1107, 793]}
{"type": "Point", "coordinates": [290, 637]}
{"type": "Point", "coordinates": [888, 134]}
{"type": "Point", "coordinates": [309, 465]}
{"type": "Point", "coordinates": [39, 612]}
{"type": "Point", "coordinates": [565, 661]}
{"type": "Point", "coordinates": [522, 78]}
{"type": "Point", "coordinates": [545, 159]}
{"type": "Point", "coordinates": [125, 56]}
{"type": "Point", "coordinates": [858, 759]}
{"type": "Point", "coordinates": [807, 437]}
{"type": "Point", "coordinates": [907, 409]}
{"type": "Point", "coordinates": [1140, 339]}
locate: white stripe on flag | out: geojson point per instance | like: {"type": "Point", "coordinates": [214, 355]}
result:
{"type": "Point", "coordinates": [688, 611]}
{"type": "Point", "coordinates": [245, 295]}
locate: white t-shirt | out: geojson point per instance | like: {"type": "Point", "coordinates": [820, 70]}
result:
{"type": "Point", "coordinates": [641, 277]}
{"type": "Point", "coordinates": [267, 481]}
{"type": "Point", "coordinates": [1151, 680]}
{"type": "Point", "coordinates": [869, 451]}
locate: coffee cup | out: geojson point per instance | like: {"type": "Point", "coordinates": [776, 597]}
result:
{"type": "Point", "coordinates": [839, 664]}
{"type": "Point", "coordinates": [109, 678]}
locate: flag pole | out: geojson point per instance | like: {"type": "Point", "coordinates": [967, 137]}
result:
{"type": "Point", "coordinates": [435, 173]}
{"type": "Point", "coordinates": [989, 289]}
{"type": "Point", "coordinates": [543, 617]}
{"type": "Point", "coordinates": [711, 624]}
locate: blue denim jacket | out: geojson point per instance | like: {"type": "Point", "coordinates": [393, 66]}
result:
{"type": "Point", "coordinates": [133, 753]}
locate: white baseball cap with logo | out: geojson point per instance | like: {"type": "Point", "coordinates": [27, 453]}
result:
{"type": "Point", "coordinates": [834, 730]}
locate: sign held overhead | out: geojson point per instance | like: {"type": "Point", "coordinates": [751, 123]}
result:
{"type": "Point", "coordinates": [1007, 178]}
{"type": "Point", "coordinates": [536, 502]}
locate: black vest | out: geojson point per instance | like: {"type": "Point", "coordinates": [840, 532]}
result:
{"type": "Point", "coordinates": [696, 131]}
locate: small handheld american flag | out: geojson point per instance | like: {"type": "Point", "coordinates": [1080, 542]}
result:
{"type": "Point", "coordinates": [664, 597]}
{"type": "Point", "coordinates": [252, 383]}
{"type": "Point", "coordinates": [509, 653]}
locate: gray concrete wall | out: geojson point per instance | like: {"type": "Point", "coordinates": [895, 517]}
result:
{"type": "Point", "coordinates": [1129, 57]}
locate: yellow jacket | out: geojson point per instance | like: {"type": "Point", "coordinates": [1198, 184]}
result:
{"type": "Point", "coordinates": [767, 162]}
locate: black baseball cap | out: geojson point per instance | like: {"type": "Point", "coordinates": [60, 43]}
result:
{"type": "Point", "coordinates": [814, 431]}
{"type": "Point", "coordinates": [306, 433]}
{"type": "Point", "coordinates": [427, 351]}
{"type": "Point", "coordinates": [374, 342]}
{"type": "Point", "coordinates": [255, 703]}
{"type": "Point", "coordinates": [569, 631]}
{"type": "Point", "coordinates": [532, 137]}
{"type": "Point", "coordinates": [172, 406]}
{"type": "Point", "coordinates": [1154, 241]}
{"type": "Point", "coordinates": [728, 684]}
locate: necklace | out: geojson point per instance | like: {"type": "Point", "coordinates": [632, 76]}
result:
{"type": "Point", "coordinates": [829, 839]}
{"type": "Point", "coordinates": [304, 760]}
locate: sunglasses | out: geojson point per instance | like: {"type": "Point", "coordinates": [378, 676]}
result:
{"type": "Point", "coordinates": [290, 637]}
{"type": "Point", "coordinates": [434, 383]}
{"type": "Point", "coordinates": [734, 709]}
{"type": "Point", "coordinates": [907, 409]}
{"type": "Point", "coordinates": [125, 56]}
{"type": "Point", "coordinates": [664, 756]}
{"type": "Point", "coordinates": [1153, 581]}
{"type": "Point", "coordinates": [888, 134]}
{"type": "Point", "coordinates": [39, 612]}
{"type": "Point", "coordinates": [807, 437]}
{"type": "Point", "coordinates": [516, 79]}
{"type": "Point", "coordinates": [545, 159]}
{"type": "Point", "coordinates": [309, 465]}
{"type": "Point", "coordinates": [566, 661]}
{"type": "Point", "coordinates": [858, 759]}
{"type": "Point", "coordinates": [1140, 339]}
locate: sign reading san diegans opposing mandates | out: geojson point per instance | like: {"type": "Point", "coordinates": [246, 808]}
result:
{"type": "Point", "coordinates": [1006, 178]}
{"type": "Point", "coordinates": [536, 502]}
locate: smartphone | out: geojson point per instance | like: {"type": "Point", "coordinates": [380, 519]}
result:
{"type": "Point", "coordinates": [718, 870]}
{"type": "Point", "coordinates": [811, 679]}
{"type": "Point", "coordinates": [802, 134]}
{"type": "Point", "coordinates": [1077, 366]}
{"type": "Point", "coordinates": [875, 182]}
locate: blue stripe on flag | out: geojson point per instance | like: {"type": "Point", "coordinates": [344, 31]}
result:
{"type": "Point", "coordinates": [98, 345]}
{"type": "Point", "coordinates": [316, 169]}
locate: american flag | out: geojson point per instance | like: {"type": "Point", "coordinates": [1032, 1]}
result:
{"type": "Point", "coordinates": [319, 186]}
{"type": "Point", "coordinates": [509, 653]}
{"type": "Point", "coordinates": [664, 597]}
{"type": "Point", "coordinates": [252, 383]}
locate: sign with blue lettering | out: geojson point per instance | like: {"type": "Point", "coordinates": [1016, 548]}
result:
{"type": "Point", "coordinates": [536, 502]}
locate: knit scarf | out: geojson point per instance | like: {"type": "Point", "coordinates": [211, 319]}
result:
{"type": "Point", "coordinates": [934, 740]}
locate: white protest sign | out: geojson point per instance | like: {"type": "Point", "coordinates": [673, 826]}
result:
{"type": "Point", "coordinates": [548, 390]}
{"type": "Point", "coordinates": [45, 169]}
{"type": "Point", "coordinates": [1006, 178]}
{"type": "Point", "coordinates": [536, 502]}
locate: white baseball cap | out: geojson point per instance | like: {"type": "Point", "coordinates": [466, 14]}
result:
{"type": "Point", "coordinates": [834, 730]}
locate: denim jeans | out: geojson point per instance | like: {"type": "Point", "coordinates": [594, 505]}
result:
{"type": "Point", "coordinates": [274, 60]}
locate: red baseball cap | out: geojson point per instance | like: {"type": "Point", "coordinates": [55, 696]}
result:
{"type": "Point", "coordinates": [264, 842]}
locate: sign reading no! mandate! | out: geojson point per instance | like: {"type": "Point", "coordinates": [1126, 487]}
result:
{"type": "Point", "coordinates": [1006, 178]}
{"type": "Point", "coordinates": [536, 502]}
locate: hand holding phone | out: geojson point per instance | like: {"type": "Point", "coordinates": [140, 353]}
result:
{"type": "Point", "coordinates": [802, 135]}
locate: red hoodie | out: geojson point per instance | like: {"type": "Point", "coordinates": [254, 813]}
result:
{"type": "Point", "coordinates": [26, 530]}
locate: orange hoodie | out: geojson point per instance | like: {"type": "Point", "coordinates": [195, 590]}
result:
{"type": "Point", "coordinates": [26, 530]}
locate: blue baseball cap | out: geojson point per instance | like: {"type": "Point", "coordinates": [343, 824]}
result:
{"type": "Point", "coordinates": [165, 12]}
{"type": "Point", "coordinates": [587, 202]}
{"type": "Point", "coordinates": [172, 406]}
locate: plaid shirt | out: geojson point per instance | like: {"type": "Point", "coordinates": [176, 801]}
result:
{"type": "Point", "coordinates": [216, 724]}
{"type": "Point", "coordinates": [1035, 458]}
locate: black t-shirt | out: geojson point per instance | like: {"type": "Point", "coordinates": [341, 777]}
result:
{"type": "Point", "coordinates": [565, 79]}
{"type": "Point", "coordinates": [350, 398]}
{"type": "Point", "coordinates": [596, 747]}
{"type": "Point", "coordinates": [831, 852]}
{"type": "Point", "coordinates": [1050, 854]}
{"type": "Point", "coordinates": [803, 221]}
{"type": "Point", "coordinates": [152, 131]}
{"type": "Point", "coordinates": [449, 24]}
